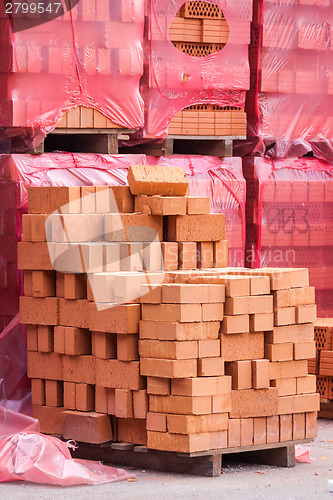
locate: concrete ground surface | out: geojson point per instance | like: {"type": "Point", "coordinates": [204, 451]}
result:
{"type": "Point", "coordinates": [238, 481]}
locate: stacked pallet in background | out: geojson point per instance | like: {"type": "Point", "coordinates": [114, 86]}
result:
{"type": "Point", "coordinates": [40, 71]}
{"type": "Point", "coordinates": [288, 219]}
{"type": "Point", "coordinates": [190, 97]}
{"type": "Point", "coordinates": [322, 365]}
{"type": "Point", "coordinates": [290, 57]}
{"type": "Point", "coordinates": [224, 350]}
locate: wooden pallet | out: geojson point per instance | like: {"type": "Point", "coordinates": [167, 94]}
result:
{"type": "Point", "coordinates": [207, 463]}
{"type": "Point", "coordinates": [326, 408]}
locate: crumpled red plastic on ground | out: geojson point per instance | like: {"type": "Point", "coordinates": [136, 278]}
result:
{"type": "Point", "coordinates": [302, 454]}
{"type": "Point", "coordinates": [27, 455]}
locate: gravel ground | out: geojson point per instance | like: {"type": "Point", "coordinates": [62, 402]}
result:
{"type": "Point", "coordinates": [240, 481]}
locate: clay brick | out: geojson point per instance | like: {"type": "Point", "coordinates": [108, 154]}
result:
{"type": "Point", "coordinates": [284, 316]}
{"type": "Point", "coordinates": [42, 311]}
{"type": "Point", "coordinates": [218, 440]}
{"type": "Point", "coordinates": [127, 286]}
{"type": "Point", "coordinates": [77, 341]}
{"type": "Point", "coordinates": [273, 429]}
{"type": "Point", "coordinates": [193, 424]}
{"type": "Point", "coordinates": [287, 369]}
{"type": "Point", "coordinates": [140, 404]}
{"type": "Point", "coordinates": [133, 227]}
{"type": "Point", "coordinates": [261, 322]}
{"type": "Point", "coordinates": [260, 285]}
{"type": "Point", "coordinates": [123, 198]}
{"type": "Point", "coordinates": [259, 430]}
{"type": "Point", "coordinates": [192, 294]}
{"type": "Point", "coordinates": [184, 313]}
{"type": "Point", "coordinates": [246, 431]}
{"type": "Point", "coordinates": [311, 424]}
{"type": "Point", "coordinates": [200, 386]}
{"type": "Point", "coordinates": [152, 257]}
{"type": "Point", "coordinates": [32, 342]}
{"type": "Point", "coordinates": [210, 367]}
{"type": "Point", "coordinates": [38, 391]}
{"type": "Point", "coordinates": [46, 365]}
{"type": "Point", "coordinates": [119, 374]}
{"type": "Point", "coordinates": [101, 399]}
{"type": "Point", "coordinates": [88, 427]}
{"type": "Point", "coordinates": [235, 286]}
{"type": "Point", "coordinates": [132, 430]}
{"type": "Point", "coordinates": [53, 393]}
{"type": "Point", "coordinates": [26, 227]}
{"type": "Point", "coordinates": [298, 404]}
{"type": "Point", "coordinates": [285, 386]}
{"type": "Point", "coordinates": [158, 385]}
{"type": "Point", "coordinates": [166, 205]}
{"type": "Point", "coordinates": [85, 397]}
{"type": "Point", "coordinates": [60, 284]}
{"type": "Point", "coordinates": [205, 255]}
{"type": "Point", "coordinates": [169, 349]}
{"type": "Point", "coordinates": [45, 338]}
{"type": "Point", "coordinates": [212, 312]}
{"type": "Point", "coordinates": [249, 304]}
{"type": "Point", "coordinates": [260, 373]}
{"type": "Point", "coordinates": [27, 283]}
{"type": "Point", "coordinates": [68, 228]}
{"type": "Point", "coordinates": [169, 255]}
{"type": "Point", "coordinates": [187, 255]}
{"type": "Point", "coordinates": [88, 199]}
{"type": "Point", "coordinates": [299, 426]}
{"type": "Point", "coordinates": [208, 227]}
{"type": "Point", "coordinates": [73, 313]}
{"type": "Point", "coordinates": [254, 403]}
{"type": "Point", "coordinates": [240, 372]}
{"type": "Point", "coordinates": [236, 324]}
{"type": "Point", "coordinates": [43, 283]}
{"type": "Point", "coordinates": [37, 226]}
{"type": "Point", "coordinates": [182, 405]}
{"type": "Point", "coordinates": [286, 427]}
{"type": "Point", "coordinates": [156, 422]}
{"type": "Point", "coordinates": [78, 258]}
{"type": "Point", "coordinates": [127, 347]}
{"type": "Point", "coordinates": [157, 180]}
{"type": "Point", "coordinates": [302, 296]}
{"type": "Point", "coordinates": [50, 419]}
{"type": "Point", "coordinates": [131, 256]}
{"type": "Point", "coordinates": [196, 205]}
{"type": "Point", "coordinates": [111, 401]}
{"type": "Point", "coordinates": [150, 294]}
{"type": "Point", "coordinates": [32, 256]}
{"type": "Point", "coordinates": [234, 433]}
{"type": "Point", "coordinates": [69, 395]}
{"type": "Point", "coordinates": [305, 385]}
{"type": "Point", "coordinates": [102, 200]}
{"type": "Point", "coordinates": [59, 339]}
{"type": "Point", "coordinates": [123, 403]}
{"type": "Point", "coordinates": [221, 256]}
{"type": "Point", "coordinates": [104, 345]}
{"type": "Point", "coordinates": [292, 333]}
{"type": "Point", "coordinates": [241, 346]}
{"type": "Point", "coordinates": [111, 257]}
{"type": "Point", "coordinates": [209, 348]}
{"type": "Point", "coordinates": [179, 331]}
{"type": "Point", "coordinates": [75, 286]}
{"type": "Point", "coordinates": [279, 352]}
{"type": "Point", "coordinates": [178, 442]}
{"type": "Point", "coordinates": [305, 350]}
{"type": "Point", "coordinates": [122, 318]}
{"type": "Point", "coordinates": [44, 200]}
{"type": "Point", "coordinates": [221, 403]}
{"type": "Point", "coordinates": [306, 314]}
{"type": "Point", "coordinates": [79, 369]}
{"type": "Point", "coordinates": [169, 368]}
{"type": "Point", "coordinates": [281, 298]}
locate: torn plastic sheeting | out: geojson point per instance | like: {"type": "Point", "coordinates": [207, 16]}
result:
{"type": "Point", "coordinates": [37, 458]}
{"type": "Point", "coordinates": [91, 56]}
{"type": "Point", "coordinates": [302, 454]}
{"type": "Point", "coordinates": [177, 80]}
{"type": "Point", "coordinates": [289, 105]}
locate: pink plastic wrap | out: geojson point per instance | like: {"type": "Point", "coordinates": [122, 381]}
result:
{"type": "Point", "coordinates": [289, 105]}
{"type": "Point", "coordinates": [176, 80]}
{"type": "Point", "coordinates": [91, 56]}
{"type": "Point", "coordinates": [290, 219]}
{"type": "Point", "coordinates": [219, 179]}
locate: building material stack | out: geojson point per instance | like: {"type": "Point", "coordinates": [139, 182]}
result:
{"type": "Point", "coordinates": [186, 357]}
{"type": "Point", "coordinates": [321, 365]}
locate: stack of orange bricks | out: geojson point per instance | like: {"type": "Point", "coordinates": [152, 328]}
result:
{"type": "Point", "coordinates": [322, 364]}
{"type": "Point", "coordinates": [208, 357]}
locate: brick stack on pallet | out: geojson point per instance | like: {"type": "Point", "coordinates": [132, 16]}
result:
{"type": "Point", "coordinates": [321, 365]}
{"type": "Point", "coordinates": [189, 358]}
{"type": "Point", "coordinates": [207, 98]}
